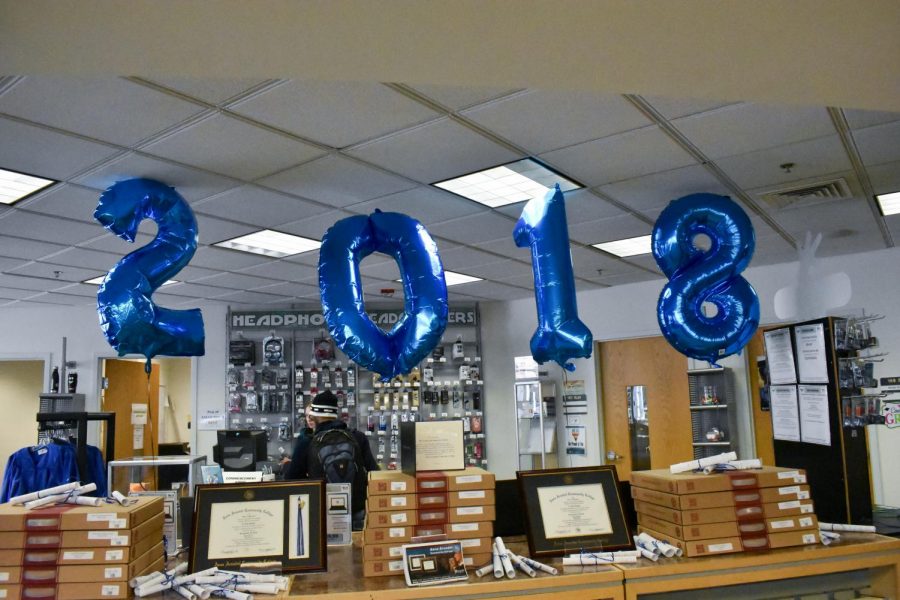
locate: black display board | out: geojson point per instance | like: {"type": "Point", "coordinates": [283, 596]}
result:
{"type": "Point", "coordinates": [838, 474]}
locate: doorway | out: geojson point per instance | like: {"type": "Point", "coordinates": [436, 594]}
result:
{"type": "Point", "coordinates": [21, 383]}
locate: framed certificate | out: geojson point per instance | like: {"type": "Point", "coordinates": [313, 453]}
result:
{"type": "Point", "coordinates": [281, 522]}
{"type": "Point", "coordinates": [568, 510]}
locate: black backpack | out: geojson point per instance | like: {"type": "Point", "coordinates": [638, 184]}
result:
{"type": "Point", "coordinates": [335, 455]}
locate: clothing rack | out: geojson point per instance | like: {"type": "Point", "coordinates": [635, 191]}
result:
{"type": "Point", "coordinates": [77, 421]}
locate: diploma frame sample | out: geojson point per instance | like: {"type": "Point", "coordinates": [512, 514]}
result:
{"type": "Point", "coordinates": [568, 510]}
{"type": "Point", "coordinates": [279, 521]}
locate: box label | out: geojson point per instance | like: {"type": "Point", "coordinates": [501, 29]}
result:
{"type": "Point", "coordinates": [803, 495]}
{"type": "Point", "coordinates": [468, 479]}
{"type": "Point", "coordinates": [809, 538]}
{"type": "Point", "coordinates": [782, 524]}
{"type": "Point", "coordinates": [395, 565]}
{"type": "Point", "coordinates": [4, 576]}
{"type": "Point", "coordinates": [806, 508]}
{"type": "Point", "coordinates": [398, 501]}
{"type": "Point", "coordinates": [101, 517]}
{"type": "Point", "coordinates": [791, 489]}
{"type": "Point", "coordinates": [109, 590]}
{"type": "Point", "coordinates": [470, 510]}
{"type": "Point", "coordinates": [102, 535]}
{"type": "Point", "coordinates": [117, 524]}
{"type": "Point", "coordinates": [431, 485]}
{"type": "Point", "coordinates": [113, 555]}
{"type": "Point", "coordinates": [78, 555]}
{"type": "Point", "coordinates": [806, 522]}
{"type": "Point", "coordinates": [464, 527]}
{"type": "Point", "coordinates": [720, 547]}
{"type": "Point", "coordinates": [112, 573]}
{"type": "Point", "coordinates": [470, 543]}
{"type": "Point", "coordinates": [471, 494]}
{"type": "Point", "coordinates": [398, 518]}
{"type": "Point", "coordinates": [395, 551]}
{"type": "Point", "coordinates": [789, 475]}
{"type": "Point", "coordinates": [787, 505]}
{"type": "Point", "coordinates": [2, 593]}
{"type": "Point", "coordinates": [398, 486]}
{"type": "Point", "coordinates": [396, 532]}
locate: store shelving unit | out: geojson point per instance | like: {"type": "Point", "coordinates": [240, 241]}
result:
{"type": "Point", "coordinates": [713, 415]}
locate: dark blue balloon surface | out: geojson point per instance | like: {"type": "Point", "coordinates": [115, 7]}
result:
{"type": "Point", "coordinates": [132, 323]}
{"type": "Point", "coordinates": [560, 335]}
{"type": "Point", "coordinates": [416, 334]}
{"type": "Point", "coordinates": [697, 276]}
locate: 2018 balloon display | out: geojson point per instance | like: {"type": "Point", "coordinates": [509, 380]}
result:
{"type": "Point", "coordinates": [698, 276]}
{"type": "Point", "coordinates": [560, 335]}
{"type": "Point", "coordinates": [132, 323]}
{"type": "Point", "coordinates": [413, 337]}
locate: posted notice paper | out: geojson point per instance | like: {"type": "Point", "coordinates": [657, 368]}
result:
{"type": "Point", "coordinates": [811, 364]}
{"type": "Point", "coordinates": [780, 355]}
{"type": "Point", "coordinates": [815, 425]}
{"type": "Point", "coordinates": [785, 414]}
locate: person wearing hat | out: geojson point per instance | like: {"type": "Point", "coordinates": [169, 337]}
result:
{"type": "Point", "coordinates": [334, 452]}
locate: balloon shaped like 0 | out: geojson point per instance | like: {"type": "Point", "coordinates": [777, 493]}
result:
{"type": "Point", "coordinates": [697, 276]}
{"type": "Point", "coordinates": [560, 335]}
{"type": "Point", "coordinates": [419, 330]}
{"type": "Point", "coordinates": [130, 320]}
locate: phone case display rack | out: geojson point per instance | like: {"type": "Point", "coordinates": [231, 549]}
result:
{"type": "Point", "coordinates": [273, 373]}
{"type": "Point", "coordinates": [713, 415]}
{"type": "Point", "coordinates": [839, 474]}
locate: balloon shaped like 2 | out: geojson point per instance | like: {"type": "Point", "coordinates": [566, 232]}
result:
{"type": "Point", "coordinates": [132, 323]}
{"type": "Point", "coordinates": [560, 335]}
{"type": "Point", "coordinates": [416, 334]}
{"type": "Point", "coordinates": [698, 276]}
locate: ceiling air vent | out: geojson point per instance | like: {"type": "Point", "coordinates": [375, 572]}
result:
{"type": "Point", "coordinates": [808, 193]}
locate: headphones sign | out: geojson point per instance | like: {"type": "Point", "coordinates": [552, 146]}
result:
{"type": "Point", "coordinates": [314, 319]}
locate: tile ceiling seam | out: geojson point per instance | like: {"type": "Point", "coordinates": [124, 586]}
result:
{"type": "Point", "coordinates": [478, 129]}
{"type": "Point", "coordinates": [7, 82]}
{"type": "Point", "coordinates": [839, 119]}
{"type": "Point", "coordinates": [640, 103]}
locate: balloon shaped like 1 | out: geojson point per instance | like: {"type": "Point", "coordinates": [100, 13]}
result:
{"type": "Point", "coordinates": [560, 335]}
{"type": "Point", "coordinates": [130, 320]}
{"type": "Point", "coordinates": [698, 276]}
{"type": "Point", "coordinates": [419, 330]}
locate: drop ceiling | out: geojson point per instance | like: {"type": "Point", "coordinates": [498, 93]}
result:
{"type": "Point", "coordinates": [296, 156]}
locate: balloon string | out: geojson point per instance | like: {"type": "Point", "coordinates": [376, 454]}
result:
{"type": "Point", "coordinates": [147, 368]}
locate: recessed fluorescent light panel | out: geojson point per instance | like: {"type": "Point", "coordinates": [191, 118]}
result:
{"type": "Point", "coordinates": [889, 203]}
{"type": "Point", "coordinates": [15, 186]}
{"type": "Point", "coordinates": [455, 278]}
{"type": "Point", "coordinates": [271, 243]}
{"type": "Point", "coordinates": [99, 280]}
{"type": "Point", "coordinates": [507, 184]}
{"type": "Point", "coordinates": [627, 247]}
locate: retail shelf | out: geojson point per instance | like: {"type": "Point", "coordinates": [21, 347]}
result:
{"type": "Point", "coordinates": [708, 406]}
{"type": "Point", "coordinates": [712, 443]}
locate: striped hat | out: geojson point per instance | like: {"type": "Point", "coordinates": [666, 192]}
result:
{"type": "Point", "coordinates": [324, 405]}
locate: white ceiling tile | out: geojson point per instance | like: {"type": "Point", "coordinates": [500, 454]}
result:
{"type": "Point", "coordinates": [885, 178]}
{"type": "Point", "coordinates": [618, 157]}
{"type": "Point", "coordinates": [211, 230]}
{"type": "Point", "coordinates": [845, 243]}
{"type": "Point", "coordinates": [860, 119]}
{"type": "Point", "coordinates": [462, 259]}
{"type": "Point", "coordinates": [434, 152]}
{"type": "Point", "coordinates": [588, 261]}
{"type": "Point", "coordinates": [226, 260]}
{"type": "Point", "coordinates": [58, 299]}
{"type": "Point", "coordinates": [23, 282]}
{"type": "Point", "coordinates": [63, 200]}
{"type": "Point", "coordinates": [62, 273]}
{"type": "Point", "coordinates": [845, 217]}
{"type": "Point", "coordinates": [743, 128]}
{"type": "Point", "coordinates": [673, 108]}
{"type": "Point", "coordinates": [337, 181]}
{"type": "Point", "coordinates": [812, 158]}
{"type": "Point", "coordinates": [337, 114]}
{"type": "Point", "coordinates": [284, 270]}
{"type": "Point", "coordinates": [504, 269]}
{"type": "Point", "coordinates": [192, 273]}
{"type": "Point", "coordinates": [506, 247]}
{"type": "Point", "coordinates": [194, 290]}
{"type": "Point", "coordinates": [296, 290]}
{"type": "Point", "coordinates": [607, 230]}
{"type": "Point", "coordinates": [84, 258]}
{"type": "Point", "coordinates": [540, 121]}
{"type": "Point", "coordinates": [581, 205]}
{"type": "Point", "coordinates": [18, 247]}
{"type": "Point", "coordinates": [458, 97]}
{"type": "Point", "coordinates": [424, 203]}
{"type": "Point", "coordinates": [525, 281]}
{"type": "Point", "coordinates": [10, 293]}
{"type": "Point", "coordinates": [46, 228]}
{"type": "Point", "coordinates": [255, 298]}
{"type": "Point", "coordinates": [386, 271]}
{"type": "Point", "coordinates": [110, 109]}
{"type": "Point", "coordinates": [658, 189]}
{"type": "Point", "coordinates": [225, 145]}
{"type": "Point", "coordinates": [45, 153]}
{"type": "Point", "coordinates": [475, 228]}
{"type": "Point", "coordinates": [646, 261]}
{"type": "Point", "coordinates": [256, 206]}
{"type": "Point", "coordinates": [8, 264]}
{"type": "Point", "coordinates": [214, 91]}
{"type": "Point", "coordinates": [109, 242]}
{"type": "Point", "coordinates": [80, 289]}
{"type": "Point", "coordinates": [880, 144]}
{"type": "Point", "coordinates": [493, 290]}
{"type": "Point", "coordinates": [192, 184]}
{"type": "Point", "coordinates": [631, 277]}
{"type": "Point", "coordinates": [237, 281]}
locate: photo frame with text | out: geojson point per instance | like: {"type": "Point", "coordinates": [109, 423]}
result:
{"type": "Point", "coordinates": [570, 510]}
{"type": "Point", "coordinates": [279, 521]}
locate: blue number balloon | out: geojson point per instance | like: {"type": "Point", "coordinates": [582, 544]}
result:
{"type": "Point", "coordinates": [416, 334]}
{"type": "Point", "coordinates": [697, 276]}
{"type": "Point", "coordinates": [560, 335]}
{"type": "Point", "coordinates": [132, 323]}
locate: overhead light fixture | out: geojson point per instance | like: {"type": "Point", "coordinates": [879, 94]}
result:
{"type": "Point", "coordinates": [889, 203]}
{"type": "Point", "coordinates": [453, 278]}
{"type": "Point", "coordinates": [99, 280]}
{"type": "Point", "coordinates": [271, 243]}
{"type": "Point", "coordinates": [16, 186]}
{"type": "Point", "coordinates": [517, 181]}
{"type": "Point", "coordinates": [627, 247]}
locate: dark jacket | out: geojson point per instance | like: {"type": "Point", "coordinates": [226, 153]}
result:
{"type": "Point", "coordinates": [299, 467]}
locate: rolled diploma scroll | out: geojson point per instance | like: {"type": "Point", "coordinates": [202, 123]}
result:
{"type": "Point", "coordinates": [230, 594]}
{"type": "Point", "coordinates": [45, 501]}
{"type": "Point", "coordinates": [652, 543]}
{"type": "Point", "coordinates": [700, 463]}
{"type": "Point", "coordinates": [192, 577]}
{"type": "Point", "coordinates": [84, 501]}
{"type": "Point", "coordinates": [482, 571]}
{"type": "Point", "coordinates": [158, 585]}
{"type": "Point", "coordinates": [829, 537]}
{"type": "Point", "coordinates": [60, 489]}
{"type": "Point", "coordinates": [186, 593]}
{"type": "Point", "coordinates": [737, 465]}
{"type": "Point", "coordinates": [258, 588]}
{"type": "Point", "coordinates": [498, 564]}
{"type": "Point", "coordinates": [154, 576]}
{"type": "Point", "coordinates": [200, 592]}
{"type": "Point", "coordinates": [538, 565]}
{"type": "Point", "coordinates": [504, 558]}
{"type": "Point", "coordinates": [606, 558]}
{"type": "Point", "coordinates": [846, 527]}
{"type": "Point", "coordinates": [648, 554]}
{"type": "Point", "coordinates": [519, 563]}
{"type": "Point", "coordinates": [252, 577]}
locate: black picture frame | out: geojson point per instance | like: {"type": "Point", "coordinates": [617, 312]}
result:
{"type": "Point", "coordinates": [539, 544]}
{"type": "Point", "coordinates": [233, 505]}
